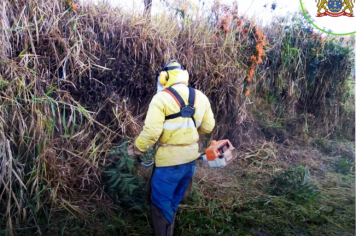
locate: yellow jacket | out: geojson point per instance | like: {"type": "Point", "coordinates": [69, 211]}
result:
{"type": "Point", "coordinates": [177, 137]}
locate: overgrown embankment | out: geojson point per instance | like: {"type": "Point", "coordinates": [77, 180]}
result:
{"type": "Point", "coordinates": [75, 83]}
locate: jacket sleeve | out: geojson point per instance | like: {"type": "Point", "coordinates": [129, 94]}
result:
{"type": "Point", "coordinates": [208, 122]}
{"type": "Point", "coordinates": [153, 127]}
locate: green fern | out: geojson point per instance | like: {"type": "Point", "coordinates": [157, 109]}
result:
{"type": "Point", "coordinates": [122, 184]}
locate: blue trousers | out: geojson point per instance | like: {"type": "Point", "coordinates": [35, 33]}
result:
{"type": "Point", "coordinates": [168, 187]}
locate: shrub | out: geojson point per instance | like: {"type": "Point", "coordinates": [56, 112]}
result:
{"type": "Point", "coordinates": [295, 185]}
{"type": "Point", "coordinates": [123, 185]}
{"type": "Point", "coordinates": [344, 166]}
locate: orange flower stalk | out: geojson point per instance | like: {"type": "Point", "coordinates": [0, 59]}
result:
{"type": "Point", "coordinates": [73, 5]}
{"type": "Point", "coordinates": [250, 74]}
{"type": "Point", "coordinates": [257, 51]}
{"type": "Point", "coordinates": [227, 20]}
{"type": "Point", "coordinates": [322, 40]}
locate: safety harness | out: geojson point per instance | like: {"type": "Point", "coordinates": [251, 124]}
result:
{"type": "Point", "coordinates": [186, 111]}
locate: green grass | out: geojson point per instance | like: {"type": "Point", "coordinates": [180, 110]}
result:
{"type": "Point", "coordinates": [331, 212]}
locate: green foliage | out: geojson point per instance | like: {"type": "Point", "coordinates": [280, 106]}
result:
{"type": "Point", "coordinates": [338, 148]}
{"type": "Point", "coordinates": [268, 216]}
{"type": "Point", "coordinates": [194, 197]}
{"type": "Point", "coordinates": [257, 213]}
{"type": "Point", "coordinates": [295, 185]}
{"type": "Point", "coordinates": [323, 145]}
{"type": "Point", "coordinates": [201, 222]}
{"type": "Point", "coordinates": [149, 155]}
{"type": "Point", "coordinates": [307, 73]}
{"type": "Point", "coordinates": [344, 166]}
{"type": "Point", "coordinates": [123, 185]}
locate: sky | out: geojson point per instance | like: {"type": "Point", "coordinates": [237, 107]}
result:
{"type": "Point", "coordinates": [250, 8]}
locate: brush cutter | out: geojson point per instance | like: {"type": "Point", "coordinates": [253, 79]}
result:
{"type": "Point", "coordinates": [218, 154]}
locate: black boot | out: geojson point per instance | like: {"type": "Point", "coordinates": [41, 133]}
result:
{"type": "Point", "coordinates": [161, 225]}
{"type": "Point", "coordinates": [171, 227]}
{"type": "Point", "coordinates": [189, 188]}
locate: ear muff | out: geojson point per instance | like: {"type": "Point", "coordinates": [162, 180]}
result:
{"type": "Point", "coordinates": [163, 77]}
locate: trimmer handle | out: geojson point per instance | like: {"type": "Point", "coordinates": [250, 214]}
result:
{"type": "Point", "coordinates": [145, 164]}
{"type": "Point", "coordinates": [201, 157]}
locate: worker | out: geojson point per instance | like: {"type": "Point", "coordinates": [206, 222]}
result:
{"type": "Point", "coordinates": [176, 116]}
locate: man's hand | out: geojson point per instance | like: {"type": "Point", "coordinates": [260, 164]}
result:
{"type": "Point", "coordinates": [133, 151]}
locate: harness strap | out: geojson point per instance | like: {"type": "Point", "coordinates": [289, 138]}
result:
{"type": "Point", "coordinates": [195, 124]}
{"type": "Point", "coordinates": [181, 103]}
{"type": "Point", "coordinates": [191, 98]}
{"type": "Point", "coordinates": [191, 101]}
{"type": "Point", "coordinates": [173, 116]}
{"type": "Point", "coordinates": [176, 96]}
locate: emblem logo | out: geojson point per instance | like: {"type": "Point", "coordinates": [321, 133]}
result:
{"type": "Point", "coordinates": [337, 8]}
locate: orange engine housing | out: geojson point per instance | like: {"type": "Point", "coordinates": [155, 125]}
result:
{"type": "Point", "coordinates": [217, 149]}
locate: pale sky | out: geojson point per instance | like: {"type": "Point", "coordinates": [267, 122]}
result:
{"type": "Point", "coordinates": [250, 8]}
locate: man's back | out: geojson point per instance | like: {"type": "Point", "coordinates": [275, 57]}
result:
{"type": "Point", "coordinates": [176, 124]}
{"type": "Point", "coordinates": [178, 137]}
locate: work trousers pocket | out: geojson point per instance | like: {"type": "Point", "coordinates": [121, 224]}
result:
{"type": "Point", "coordinates": [174, 174]}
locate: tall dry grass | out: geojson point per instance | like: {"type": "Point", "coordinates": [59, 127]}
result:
{"type": "Point", "coordinates": [307, 78]}
{"type": "Point", "coordinates": [69, 80]}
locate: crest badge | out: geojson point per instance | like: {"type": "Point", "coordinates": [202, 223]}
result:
{"type": "Point", "coordinates": [335, 8]}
